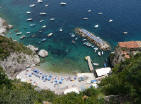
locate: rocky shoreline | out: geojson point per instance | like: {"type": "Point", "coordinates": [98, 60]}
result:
{"type": "Point", "coordinates": [17, 62]}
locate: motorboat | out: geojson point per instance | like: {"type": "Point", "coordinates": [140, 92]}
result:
{"type": "Point", "coordinates": [84, 39]}
{"type": "Point", "coordinates": [96, 64]}
{"type": "Point", "coordinates": [31, 25]}
{"type": "Point", "coordinates": [46, 5]}
{"type": "Point", "coordinates": [42, 20]}
{"type": "Point", "coordinates": [72, 35]}
{"type": "Point", "coordinates": [44, 26]}
{"type": "Point", "coordinates": [110, 20]}
{"type": "Point", "coordinates": [96, 26]}
{"type": "Point", "coordinates": [43, 13]}
{"type": "Point", "coordinates": [95, 49]}
{"type": "Point", "coordinates": [50, 34]}
{"type": "Point", "coordinates": [28, 12]}
{"type": "Point", "coordinates": [100, 13]}
{"type": "Point", "coordinates": [89, 10]}
{"type": "Point", "coordinates": [18, 33]}
{"type": "Point", "coordinates": [44, 39]}
{"type": "Point", "coordinates": [52, 19]}
{"type": "Point", "coordinates": [99, 53]}
{"type": "Point", "coordinates": [22, 37]}
{"type": "Point", "coordinates": [28, 32]}
{"type": "Point", "coordinates": [29, 19]}
{"type": "Point", "coordinates": [32, 5]}
{"type": "Point", "coordinates": [85, 18]}
{"type": "Point", "coordinates": [125, 33]}
{"type": "Point", "coordinates": [39, 1]}
{"type": "Point", "coordinates": [102, 52]}
{"type": "Point", "coordinates": [76, 38]}
{"type": "Point", "coordinates": [60, 29]}
{"type": "Point", "coordinates": [63, 3]}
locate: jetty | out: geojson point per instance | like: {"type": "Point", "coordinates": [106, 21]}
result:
{"type": "Point", "coordinates": [103, 45]}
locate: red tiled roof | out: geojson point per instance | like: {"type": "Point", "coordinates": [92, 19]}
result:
{"type": "Point", "coordinates": [130, 44]}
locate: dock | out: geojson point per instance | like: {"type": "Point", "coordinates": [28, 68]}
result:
{"type": "Point", "coordinates": [93, 39]}
{"type": "Point", "coordinates": [89, 63]}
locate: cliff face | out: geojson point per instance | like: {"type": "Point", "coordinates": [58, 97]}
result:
{"type": "Point", "coordinates": [17, 62]}
{"type": "Point", "coordinates": [124, 51]}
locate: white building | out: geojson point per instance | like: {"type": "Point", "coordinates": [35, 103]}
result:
{"type": "Point", "coordinates": [103, 71]}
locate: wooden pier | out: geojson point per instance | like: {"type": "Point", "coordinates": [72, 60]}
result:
{"type": "Point", "coordinates": [92, 38]}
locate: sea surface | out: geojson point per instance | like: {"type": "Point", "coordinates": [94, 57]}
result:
{"type": "Point", "coordinates": [65, 56]}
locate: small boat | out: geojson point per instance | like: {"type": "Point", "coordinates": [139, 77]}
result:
{"type": "Point", "coordinates": [84, 39]}
{"type": "Point", "coordinates": [28, 32]}
{"type": "Point", "coordinates": [43, 13]}
{"type": "Point", "coordinates": [96, 26]}
{"type": "Point", "coordinates": [102, 52]}
{"type": "Point", "coordinates": [19, 33]}
{"type": "Point", "coordinates": [63, 3]}
{"type": "Point", "coordinates": [99, 53]}
{"type": "Point", "coordinates": [28, 12]}
{"type": "Point", "coordinates": [44, 26]}
{"type": "Point", "coordinates": [42, 20]}
{"type": "Point", "coordinates": [50, 34]}
{"type": "Point", "coordinates": [85, 18]}
{"type": "Point", "coordinates": [110, 20]}
{"type": "Point", "coordinates": [39, 1]}
{"type": "Point", "coordinates": [100, 13]}
{"type": "Point", "coordinates": [44, 39]}
{"type": "Point", "coordinates": [72, 35]}
{"type": "Point", "coordinates": [29, 19]}
{"type": "Point", "coordinates": [22, 37]}
{"type": "Point", "coordinates": [76, 38]}
{"type": "Point", "coordinates": [46, 5]}
{"type": "Point", "coordinates": [96, 64]}
{"type": "Point", "coordinates": [60, 29]}
{"type": "Point", "coordinates": [31, 25]}
{"type": "Point", "coordinates": [32, 5]}
{"type": "Point", "coordinates": [125, 33]}
{"type": "Point", "coordinates": [89, 10]}
{"type": "Point", "coordinates": [95, 49]}
{"type": "Point", "coordinates": [52, 19]}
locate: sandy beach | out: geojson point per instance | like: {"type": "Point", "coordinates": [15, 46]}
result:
{"type": "Point", "coordinates": [57, 82]}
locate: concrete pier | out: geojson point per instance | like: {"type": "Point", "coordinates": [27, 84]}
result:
{"type": "Point", "coordinates": [92, 38]}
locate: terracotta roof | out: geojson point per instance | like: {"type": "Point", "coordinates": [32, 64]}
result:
{"type": "Point", "coordinates": [130, 44]}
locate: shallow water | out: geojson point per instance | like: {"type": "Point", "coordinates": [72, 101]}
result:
{"type": "Point", "coordinates": [63, 54]}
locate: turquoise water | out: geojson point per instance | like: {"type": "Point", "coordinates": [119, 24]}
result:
{"type": "Point", "coordinates": [63, 54]}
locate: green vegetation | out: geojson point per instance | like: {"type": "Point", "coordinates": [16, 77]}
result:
{"type": "Point", "coordinates": [125, 80]}
{"type": "Point", "coordinates": [7, 46]}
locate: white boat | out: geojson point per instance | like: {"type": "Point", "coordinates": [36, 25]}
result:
{"type": "Point", "coordinates": [32, 5]}
{"type": "Point", "coordinates": [22, 37]}
{"type": "Point", "coordinates": [50, 34]}
{"type": "Point", "coordinates": [110, 20]}
{"type": "Point", "coordinates": [18, 33]}
{"type": "Point", "coordinates": [60, 29]}
{"type": "Point", "coordinates": [28, 12]}
{"type": "Point", "coordinates": [42, 20]}
{"type": "Point", "coordinates": [102, 52]}
{"type": "Point", "coordinates": [63, 3]}
{"type": "Point", "coordinates": [99, 53]}
{"type": "Point", "coordinates": [52, 19]}
{"type": "Point", "coordinates": [89, 10]}
{"type": "Point", "coordinates": [44, 39]}
{"type": "Point", "coordinates": [44, 26]}
{"type": "Point", "coordinates": [46, 5]}
{"type": "Point", "coordinates": [29, 19]}
{"type": "Point", "coordinates": [125, 33]}
{"type": "Point", "coordinates": [72, 35]}
{"type": "Point", "coordinates": [84, 39]}
{"type": "Point", "coordinates": [96, 64]}
{"type": "Point", "coordinates": [43, 13]}
{"type": "Point", "coordinates": [96, 26]}
{"type": "Point", "coordinates": [100, 13]}
{"type": "Point", "coordinates": [75, 38]}
{"type": "Point", "coordinates": [85, 18]}
{"type": "Point", "coordinates": [39, 1]}
{"type": "Point", "coordinates": [32, 25]}
{"type": "Point", "coordinates": [28, 32]}
{"type": "Point", "coordinates": [95, 49]}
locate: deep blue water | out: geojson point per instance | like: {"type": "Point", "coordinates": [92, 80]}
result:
{"type": "Point", "coordinates": [63, 55]}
